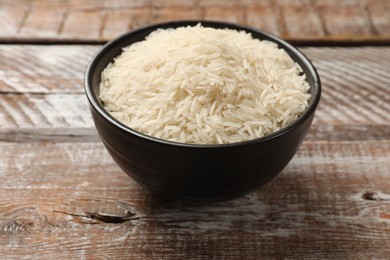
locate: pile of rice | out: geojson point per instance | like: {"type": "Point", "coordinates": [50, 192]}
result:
{"type": "Point", "coordinates": [204, 86]}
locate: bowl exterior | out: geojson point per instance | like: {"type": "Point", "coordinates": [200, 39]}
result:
{"type": "Point", "coordinates": [197, 172]}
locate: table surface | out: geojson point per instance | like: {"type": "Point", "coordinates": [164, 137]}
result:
{"type": "Point", "coordinates": [62, 196]}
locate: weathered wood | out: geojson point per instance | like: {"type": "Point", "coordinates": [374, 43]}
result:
{"type": "Point", "coordinates": [120, 21]}
{"type": "Point", "coordinates": [380, 16]}
{"type": "Point", "coordinates": [43, 97]}
{"type": "Point", "coordinates": [332, 201]}
{"type": "Point", "coordinates": [87, 23]}
{"type": "Point", "coordinates": [60, 68]}
{"type": "Point", "coordinates": [312, 27]}
{"type": "Point", "coordinates": [265, 18]}
{"type": "Point", "coordinates": [92, 20]}
{"type": "Point", "coordinates": [65, 117]}
{"type": "Point", "coordinates": [43, 69]}
{"type": "Point", "coordinates": [356, 24]}
{"type": "Point", "coordinates": [41, 111]}
{"type": "Point", "coordinates": [62, 196]}
{"type": "Point", "coordinates": [41, 23]}
{"type": "Point", "coordinates": [232, 14]}
{"type": "Point", "coordinates": [11, 19]}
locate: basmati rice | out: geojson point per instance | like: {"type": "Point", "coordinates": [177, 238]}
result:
{"type": "Point", "coordinates": [205, 86]}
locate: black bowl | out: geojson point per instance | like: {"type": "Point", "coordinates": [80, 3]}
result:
{"type": "Point", "coordinates": [197, 172]}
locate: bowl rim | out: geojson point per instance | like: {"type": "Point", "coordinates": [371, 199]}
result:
{"type": "Point", "coordinates": [93, 99]}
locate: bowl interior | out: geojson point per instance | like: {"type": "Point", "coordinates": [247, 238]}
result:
{"type": "Point", "coordinates": [113, 48]}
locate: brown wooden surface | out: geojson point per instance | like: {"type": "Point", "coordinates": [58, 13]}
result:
{"type": "Point", "coordinates": [332, 201]}
{"type": "Point", "coordinates": [59, 187]}
{"type": "Point", "coordinates": [42, 93]}
{"type": "Point", "coordinates": [62, 196]}
{"type": "Point", "coordinates": [97, 20]}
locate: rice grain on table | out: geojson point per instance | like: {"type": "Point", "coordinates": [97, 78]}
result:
{"type": "Point", "coordinates": [205, 86]}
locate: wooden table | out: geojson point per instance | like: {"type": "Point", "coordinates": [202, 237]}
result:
{"type": "Point", "coordinates": [62, 196]}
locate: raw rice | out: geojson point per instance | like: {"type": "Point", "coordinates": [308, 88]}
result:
{"type": "Point", "coordinates": [204, 86]}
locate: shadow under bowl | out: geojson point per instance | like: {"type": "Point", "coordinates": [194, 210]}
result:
{"type": "Point", "coordinates": [191, 172]}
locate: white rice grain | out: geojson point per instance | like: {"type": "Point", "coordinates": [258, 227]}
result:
{"type": "Point", "coordinates": [205, 86]}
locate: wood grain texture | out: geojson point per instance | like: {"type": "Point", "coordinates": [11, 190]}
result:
{"type": "Point", "coordinates": [36, 117]}
{"type": "Point", "coordinates": [57, 188]}
{"type": "Point", "coordinates": [380, 16]}
{"type": "Point", "coordinates": [42, 95]}
{"type": "Point", "coordinates": [89, 24]}
{"type": "Point", "coordinates": [265, 17]}
{"type": "Point", "coordinates": [56, 20]}
{"type": "Point", "coordinates": [12, 19]}
{"type": "Point", "coordinates": [41, 23]}
{"type": "Point", "coordinates": [355, 84]}
{"type": "Point", "coordinates": [336, 23]}
{"type": "Point", "coordinates": [120, 21]}
{"type": "Point", "coordinates": [63, 197]}
{"type": "Point", "coordinates": [43, 69]}
{"type": "Point", "coordinates": [293, 21]}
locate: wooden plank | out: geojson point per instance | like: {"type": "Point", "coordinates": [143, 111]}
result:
{"type": "Point", "coordinates": [332, 201]}
{"type": "Point", "coordinates": [352, 76]}
{"type": "Point", "coordinates": [11, 19]}
{"type": "Point", "coordinates": [332, 131]}
{"type": "Point", "coordinates": [89, 24]}
{"type": "Point", "coordinates": [225, 13]}
{"type": "Point", "coordinates": [264, 18]}
{"type": "Point", "coordinates": [66, 117]}
{"type": "Point", "coordinates": [121, 21]}
{"type": "Point", "coordinates": [60, 68]}
{"type": "Point", "coordinates": [164, 14]}
{"type": "Point", "coordinates": [380, 17]}
{"type": "Point", "coordinates": [77, 5]}
{"type": "Point", "coordinates": [41, 111]}
{"type": "Point", "coordinates": [305, 20]}
{"type": "Point", "coordinates": [157, 4]}
{"type": "Point", "coordinates": [41, 23]}
{"type": "Point", "coordinates": [55, 117]}
{"type": "Point", "coordinates": [346, 21]}
{"type": "Point", "coordinates": [43, 69]}
{"type": "Point", "coordinates": [43, 99]}
{"type": "Point", "coordinates": [295, 28]}
{"type": "Point", "coordinates": [293, 4]}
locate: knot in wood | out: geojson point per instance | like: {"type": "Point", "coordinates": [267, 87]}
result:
{"type": "Point", "coordinates": [18, 226]}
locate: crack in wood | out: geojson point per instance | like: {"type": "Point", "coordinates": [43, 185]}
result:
{"type": "Point", "coordinates": [103, 217]}
{"type": "Point", "coordinates": [103, 24]}
{"type": "Point", "coordinates": [61, 25]}
{"type": "Point", "coordinates": [370, 195]}
{"type": "Point", "coordinates": [23, 21]}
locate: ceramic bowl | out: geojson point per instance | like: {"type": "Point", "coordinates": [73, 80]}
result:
{"type": "Point", "coordinates": [197, 172]}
